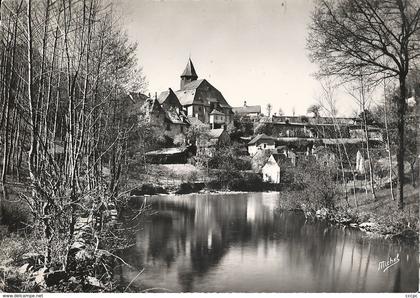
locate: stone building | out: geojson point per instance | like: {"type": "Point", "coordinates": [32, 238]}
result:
{"type": "Point", "coordinates": [248, 111]}
{"type": "Point", "coordinates": [199, 98]}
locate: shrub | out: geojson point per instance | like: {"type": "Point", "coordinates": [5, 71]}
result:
{"type": "Point", "coordinates": [316, 184]}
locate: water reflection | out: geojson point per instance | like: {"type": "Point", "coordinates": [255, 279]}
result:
{"type": "Point", "coordinates": [240, 243]}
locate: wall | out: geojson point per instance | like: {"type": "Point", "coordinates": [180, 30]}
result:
{"type": "Point", "coordinates": [271, 171]}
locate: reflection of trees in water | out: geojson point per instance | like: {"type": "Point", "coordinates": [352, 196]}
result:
{"type": "Point", "coordinates": [203, 229]}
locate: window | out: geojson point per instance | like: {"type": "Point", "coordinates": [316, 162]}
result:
{"type": "Point", "coordinates": [168, 126]}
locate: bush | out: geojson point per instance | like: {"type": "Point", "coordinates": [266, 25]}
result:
{"type": "Point", "coordinates": [248, 182]}
{"type": "Point", "coordinates": [316, 184]}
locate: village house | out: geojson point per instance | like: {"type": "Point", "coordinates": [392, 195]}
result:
{"type": "Point", "coordinates": [167, 115]}
{"type": "Point", "coordinates": [261, 141]}
{"type": "Point", "coordinates": [175, 123]}
{"type": "Point", "coordinates": [374, 133]}
{"type": "Point", "coordinates": [247, 111]}
{"type": "Point", "coordinates": [152, 111]}
{"type": "Point", "coordinates": [271, 170]}
{"type": "Point", "coordinates": [212, 140]}
{"type": "Point", "coordinates": [169, 100]}
{"type": "Point", "coordinates": [269, 162]}
{"type": "Point", "coordinates": [217, 119]}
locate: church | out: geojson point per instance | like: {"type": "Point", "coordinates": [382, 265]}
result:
{"type": "Point", "coordinates": [198, 99]}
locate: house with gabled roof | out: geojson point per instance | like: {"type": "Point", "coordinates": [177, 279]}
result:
{"type": "Point", "coordinates": [168, 99]}
{"type": "Point", "coordinates": [217, 119]}
{"type": "Point", "coordinates": [249, 111]}
{"type": "Point", "coordinates": [153, 111]}
{"type": "Point", "coordinates": [213, 139]}
{"type": "Point", "coordinates": [271, 170]}
{"type": "Point", "coordinates": [199, 98]}
{"type": "Point", "coordinates": [259, 142]}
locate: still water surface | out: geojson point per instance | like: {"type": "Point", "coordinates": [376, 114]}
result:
{"type": "Point", "coordinates": [242, 243]}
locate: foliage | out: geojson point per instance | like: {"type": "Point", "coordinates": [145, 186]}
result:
{"type": "Point", "coordinates": [316, 184]}
{"type": "Point", "coordinates": [315, 109]}
{"type": "Point", "coordinates": [241, 126]}
{"type": "Point", "coordinates": [351, 39]}
{"type": "Point", "coordinates": [229, 163]}
{"type": "Point", "coordinates": [264, 128]}
{"type": "Point", "coordinates": [67, 70]}
{"type": "Point", "coordinates": [196, 133]}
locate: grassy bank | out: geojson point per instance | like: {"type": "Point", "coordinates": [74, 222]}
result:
{"type": "Point", "coordinates": [186, 178]}
{"type": "Point", "coordinates": [377, 218]}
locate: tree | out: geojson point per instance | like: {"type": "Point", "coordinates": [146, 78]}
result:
{"type": "Point", "coordinates": [363, 93]}
{"type": "Point", "coordinates": [374, 38]}
{"type": "Point", "coordinates": [264, 128]}
{"type": "Point", "coordinates": [315, 109]}
{"type": "Point", "coordinates": [65, 70]}
{"type": "Point", "coordinates": [269, 108]}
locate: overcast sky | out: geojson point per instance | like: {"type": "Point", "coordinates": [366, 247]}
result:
{"type": "Point", "coordinates": [249, 50]}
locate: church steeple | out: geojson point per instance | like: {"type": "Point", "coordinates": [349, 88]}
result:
{"type": "Point", "coordinates": [188, 75]}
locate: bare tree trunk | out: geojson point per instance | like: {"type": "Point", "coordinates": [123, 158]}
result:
{"type": "Point", "coordinates": [31, 101]}
{"type": "Point", "coordinates": [401, 150]}
{"type": "Point", "coordinates": [365, 128]}
{"type": "Point", "coordinates": [388, 145]}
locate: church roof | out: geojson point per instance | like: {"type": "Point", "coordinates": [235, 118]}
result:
{"type": "Point", "coordinates": [186, 97]}
{"type": "Point", "coordinates": [189, 70]}
{"type": "Point", "coordinates": [194, 84]}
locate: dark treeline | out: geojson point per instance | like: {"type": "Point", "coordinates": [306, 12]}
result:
{"type": "Point", "coordinates": [65, 67]}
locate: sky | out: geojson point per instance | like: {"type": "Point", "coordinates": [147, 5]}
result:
{"type": "Point", "coordinates": [249, 50]}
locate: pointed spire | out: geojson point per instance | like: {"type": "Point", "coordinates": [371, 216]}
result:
{"type": "Point", "coordinates": [188, 75]}
{"type": "Point", "coordinates": [189, 71]}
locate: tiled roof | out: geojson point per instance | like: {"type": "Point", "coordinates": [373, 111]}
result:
{"type": "Point", "coordinates": [162, 96]}
{"type": "Point", "coordinates": [216, 112]}
{"type": "Point", "coordinates": [194, 121]}
{"type": "Point", "coordinates": [193, 85]}
{"type": "Point", "coordinates": [260, 137]}
{"type": "Point", "coordinates": [247, 109]}
{"type": "Point", "coordinates": [215, 133]}
{"type": "Point", "coordinates": [186, 97]}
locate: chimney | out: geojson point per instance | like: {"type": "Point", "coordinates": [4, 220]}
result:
{"type": "Point", "coordinates": [244, 103]}
{"type": "Point", "coordinates": [149, 95]}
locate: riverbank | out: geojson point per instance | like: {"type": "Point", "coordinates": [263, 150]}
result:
{"type": "Point", "coordinates": [380, 218]}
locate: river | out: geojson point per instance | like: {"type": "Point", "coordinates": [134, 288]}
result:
{"type": "Point", "coordinates": [242, 243]}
